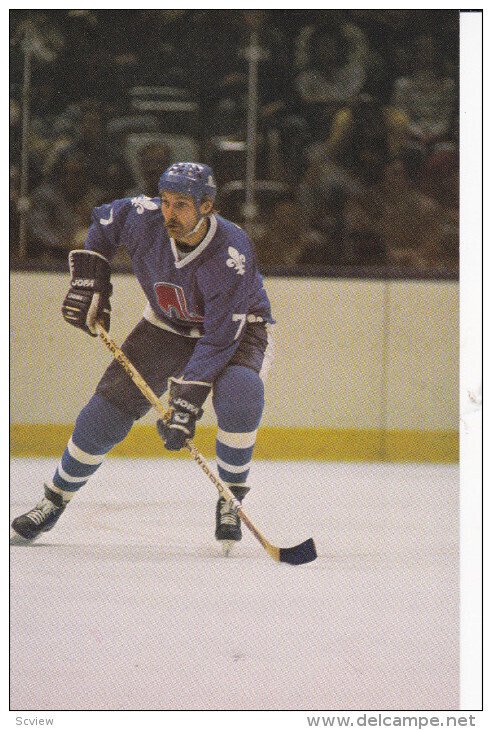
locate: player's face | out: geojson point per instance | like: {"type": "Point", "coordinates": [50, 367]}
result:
{"type": "Point", "coordinates": [179, 212]}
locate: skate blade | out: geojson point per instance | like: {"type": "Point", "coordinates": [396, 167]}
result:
{"type": "Point", "coordinates": [227, 547]}
{"type": "Point", "coordinates": [16, 539]}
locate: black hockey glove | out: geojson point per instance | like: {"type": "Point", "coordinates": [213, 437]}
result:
{"type": "Point", "coordinates": [87, 301]}
{"type": "Point", "coordinates": [186, 399]}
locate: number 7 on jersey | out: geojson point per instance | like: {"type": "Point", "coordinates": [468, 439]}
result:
{"type": "Point", "coordinates": [241, 318]}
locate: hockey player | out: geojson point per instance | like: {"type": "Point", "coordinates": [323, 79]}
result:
{"type": "Point", "coordinates": [205, 328]}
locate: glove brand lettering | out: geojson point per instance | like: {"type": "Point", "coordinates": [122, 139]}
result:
{"type": "Point", "coordinates": [84, 283]}
{"type": "Point", "coordinates": [182, 417]}
{"type": "Point", "coordinates": [186, 405]}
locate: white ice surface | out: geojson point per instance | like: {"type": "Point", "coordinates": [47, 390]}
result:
{"type": "Point", "coordinates": [128, 605]}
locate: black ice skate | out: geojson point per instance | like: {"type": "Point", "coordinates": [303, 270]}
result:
{"type": "Point", "coordinates": [227, 522]}
{"type": "Point", "coordinates": [29, 526]}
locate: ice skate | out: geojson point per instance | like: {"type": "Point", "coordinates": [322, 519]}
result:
{"type": "Point", "coordinates": [228, 524]}
{"type": "Point", "coordinates": [27, 527]}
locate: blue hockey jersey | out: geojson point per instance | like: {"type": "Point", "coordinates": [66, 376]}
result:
{"type": "Point", "coordinates": [210, 293]}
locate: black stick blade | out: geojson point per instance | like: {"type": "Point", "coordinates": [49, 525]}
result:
{"type": "Point", "coordinates": [303, 553]}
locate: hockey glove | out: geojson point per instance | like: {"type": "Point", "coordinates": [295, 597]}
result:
{"type": "Point", "coordinates": [87, 301]}
{"type": "Point", "coordinates": [186, 399]}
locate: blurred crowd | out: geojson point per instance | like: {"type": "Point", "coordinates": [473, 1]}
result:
{"type": "Point", "coordinates": [357, 160]}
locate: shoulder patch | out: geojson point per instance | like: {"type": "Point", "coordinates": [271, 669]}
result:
{"type": "Point", "coordinates": [236, 260]}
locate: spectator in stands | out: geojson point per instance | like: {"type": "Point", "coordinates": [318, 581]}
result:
{"type": "Point", "coordinates": [38, 145]}
{"type": "Point", "coordinates": [230, 110]}
{"type": "Point", "coordinates": [441, 254]}
{"type": "Point", "coordinates": [427, 96]}
{"type": "Point", "coordinates": [364, 123]}
{"type": "Point", "coordinates": [363, 243]}
{"type": "Point", "coordinates": [96, 54]}
{"type": "Point", "coordinates": [440, 177]}
{"type": "Point", "coordinates": [338, 189]}
{"type": "Point", "coordinates": [440, 180]}
{"type": "Point", "coordinates": [333, 79]}
{"type": "Point", "coordinates": [164, 56]}
{"type": "Point", "coordinates": [282, 239]}
{"type": "Point", "coordinates": [387, 33]}
{"type": "Point", "coordinates": [416, 230]}
{"type": "Point", "coordinates": [152, 159]}
{"type": "Point", "coordinates": [209, 38]}
{"type": "Point", "coordinates": [392, 221]}
{"type": "Point", "coordinates": [218, 66]}
{"type": "Point", "coordinates": [106, 165]}
{"type": "Point", "coordinates": [362, 51]}
{"type": "Point", "coordinates": [275, 58]}
{"type": "Point", "coordinates": [61, 207]}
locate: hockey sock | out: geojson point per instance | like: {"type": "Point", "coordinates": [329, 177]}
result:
{"type": "Point", "coordinates": [238, 401]}
{"type": "Point", "coordinates": [99, 426]}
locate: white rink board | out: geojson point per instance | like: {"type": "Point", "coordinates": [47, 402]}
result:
{"type": "Point", "coordinates": [127, 605]}
{"type": "Point", "coordinates": [342, 360]}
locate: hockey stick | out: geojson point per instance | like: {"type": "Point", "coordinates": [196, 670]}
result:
{"type": "Point", "coordinates": [305, 552]}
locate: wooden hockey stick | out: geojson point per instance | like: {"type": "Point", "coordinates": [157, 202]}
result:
{"type": "Point", "coordinates": [305, 552]}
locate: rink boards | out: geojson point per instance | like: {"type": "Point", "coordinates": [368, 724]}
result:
{"type": "Point", "coordinates": [365, 370]}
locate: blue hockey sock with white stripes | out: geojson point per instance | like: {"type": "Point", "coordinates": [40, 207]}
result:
{"type": "Point", "coordinates": [238, 401]}
{"type": "Point", "coordinates": [98, 428]}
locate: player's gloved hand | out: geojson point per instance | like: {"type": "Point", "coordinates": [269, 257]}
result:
{"type": "Point", "coordinates": [87, 301]}
{"type": "Point", "coordinates": [186, 399]}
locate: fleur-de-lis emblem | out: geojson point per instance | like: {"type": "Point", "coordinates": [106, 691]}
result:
{"type": "Point", "coordinates": [143, 202]}
{"type": "Point", "coordinates": [237, 260]}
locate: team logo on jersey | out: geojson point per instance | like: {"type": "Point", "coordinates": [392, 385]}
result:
{"type": "Point", "coordinates": [237, 260]}
{"type": "Point", "coordinates": [172, 301]}
{"type": "Point", "coordinates": [143, 202]}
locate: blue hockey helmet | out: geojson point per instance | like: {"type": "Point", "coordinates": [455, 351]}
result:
{"type": "Point", "coordinates": [189, 178]}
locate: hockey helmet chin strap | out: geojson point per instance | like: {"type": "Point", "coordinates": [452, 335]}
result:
{"type": "Point", "coordinates": [200, 221]}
